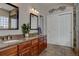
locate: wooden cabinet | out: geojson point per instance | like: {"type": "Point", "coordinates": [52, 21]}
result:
{"type": "Point", "coordinates": [9, 51]}
{"type": "Point", "coordinates": [29, 48]}
{"type": "Point", "coordinates": [34, 51]}
{"type": "Point", "coordinates": [41, 44]}
{"type": "Point", "coordinates": [24, 49]}
{"type": "Point", "coordinates": [34, 47]}
{"type": "Point", "coordinates": [35, 42]}
{"type": "Point", "coordinates": [26, 52]}
{"type": "Point", "coordinates": [45, 42]}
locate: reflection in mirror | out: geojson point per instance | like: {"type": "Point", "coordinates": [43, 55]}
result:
{"type": "Point", "coordinates": [33, 21]}
{"type": "Point", "coordinates": [13, 18]}
{"type": "Point", "coordinates": [8, 16]}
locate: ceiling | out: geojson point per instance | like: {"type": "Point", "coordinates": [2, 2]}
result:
{"type": "Point", "coordinates": [6, 6]}
{"type": "Point", "coordinates": [43, 7]}
{"type": "Point", "coordinates": [46, 6]}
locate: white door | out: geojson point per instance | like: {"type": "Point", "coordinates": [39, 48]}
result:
{"type": "Point", "coordinates": [59, 29]}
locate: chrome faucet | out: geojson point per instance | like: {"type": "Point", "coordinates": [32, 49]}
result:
{"type": "Point", "coordinates": [9, 37]}
{"type": "Point", "coordinates": [2, 38]}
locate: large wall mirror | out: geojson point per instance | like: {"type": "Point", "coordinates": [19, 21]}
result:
{"type": "Point", "coordinates": [33, 21]}
{"type": "Point", "coordinates": [9, 18]}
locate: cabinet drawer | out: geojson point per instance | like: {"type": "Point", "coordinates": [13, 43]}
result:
{"type": "Point", "coordinates": [41, 46]}
{"type": "Point", "coordinates": [40, 43]}
{"type": "Point", "coordinates": [9, 51]}
{"type": "Point", "coordinates": [45, 43]}
{"type": "Point", "coordinates": [24, 45]}
{"type": "Point", "coordinates": [26, 53]}
{"type": "Point", "coordinates": [41, 38]}
{"type": "Point", "coordinates": [35, 53]}
{"type": "Point", "coordinates": [34, 42]}
{"type": "Point", "coordinates": [35, 50]}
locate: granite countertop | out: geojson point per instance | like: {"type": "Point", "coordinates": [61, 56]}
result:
{"type": "Point", "coordinates": [4, 44]}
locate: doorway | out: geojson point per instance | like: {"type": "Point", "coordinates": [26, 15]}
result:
{"type": "Point", "coordinates": [60, 29]}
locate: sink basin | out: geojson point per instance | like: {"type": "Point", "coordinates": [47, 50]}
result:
{"type": "Point", "coordinates": [11, 41]}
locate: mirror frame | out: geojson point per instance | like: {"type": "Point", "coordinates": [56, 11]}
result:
{"type": "Point", "coordinates": [17, 17]}
{"type": "Point", "coordinates": [31, 14]}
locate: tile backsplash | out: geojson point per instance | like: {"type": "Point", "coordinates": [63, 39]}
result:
{"type": "Point", "coordinates": [9, 37]}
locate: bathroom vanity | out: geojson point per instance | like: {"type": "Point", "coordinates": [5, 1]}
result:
{"type": "Point", "coordinates": [17, 45]}
{"type": "Point", "coordinates": [31, 46]}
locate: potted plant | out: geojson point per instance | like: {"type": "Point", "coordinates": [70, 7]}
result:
{"type": "Point", "coordinates": [26, 29]}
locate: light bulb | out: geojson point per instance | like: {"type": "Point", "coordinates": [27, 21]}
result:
{"type": "Point", "coordinates": [32, 9]}
{"type": "Point", "coordinates": [37, 12]}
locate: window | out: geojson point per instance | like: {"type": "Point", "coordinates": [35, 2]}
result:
{"type": "Point", "coordinates": [4, 22]}
{"type": "Point", "coordinates": [13, 23]}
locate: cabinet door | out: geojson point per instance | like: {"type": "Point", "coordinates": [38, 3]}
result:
{"type": "Point", "coordinates": [24, 48]}
{"type": "Point", "coordinates": [45, 42]}
{"type": "Point", "coordinates": [26, 53]}
{"type": "Point", "coordinates": [9, 51]}
{"type": "Point", "coordinates": [24, 45]}
{"type": "Point", "coordinates": [35, 42]}
{"type": "Point", "coordinates": [41, 39]}
{"type": "Point", "coordinates": [41, 48]}
{"type": "Point", "coordinates": [41, 44]}
{"type": "Point", "coordinates": [35, 50]}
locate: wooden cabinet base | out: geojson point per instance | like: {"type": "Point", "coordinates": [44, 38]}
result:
{"type": "Point", "coordinates": [29, 48]}
{"type": "Point", "coordinates": [26, 53]}
{"type": "Point", "coordinates": [9, 51]}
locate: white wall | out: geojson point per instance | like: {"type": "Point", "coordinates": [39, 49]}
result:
{"type": "Point", "coordinates": [54, 34]}
{"type": "Point", "coordinates": [23, 18]}
{"type": "Point", "coordinates": [77, 27]}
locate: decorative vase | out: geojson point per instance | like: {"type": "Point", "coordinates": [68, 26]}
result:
{"type": "Point", "coordinates": [27, 35]}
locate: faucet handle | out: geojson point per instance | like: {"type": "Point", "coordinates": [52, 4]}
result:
{"type": "Point", "coordinates": [5, 37]}
{"type": "Point", "coordinates": [9, 37]}
{"type": "Point", "coordinates": [1, 38]}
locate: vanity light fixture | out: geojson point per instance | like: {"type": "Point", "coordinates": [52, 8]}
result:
{"type": "Point", "coordinates": [34, 10]}
{"type": "Point", "coordinates": [37, 12]}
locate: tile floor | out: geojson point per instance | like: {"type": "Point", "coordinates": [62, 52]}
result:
{"type": "Point", "coordinates": [56, 50]}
